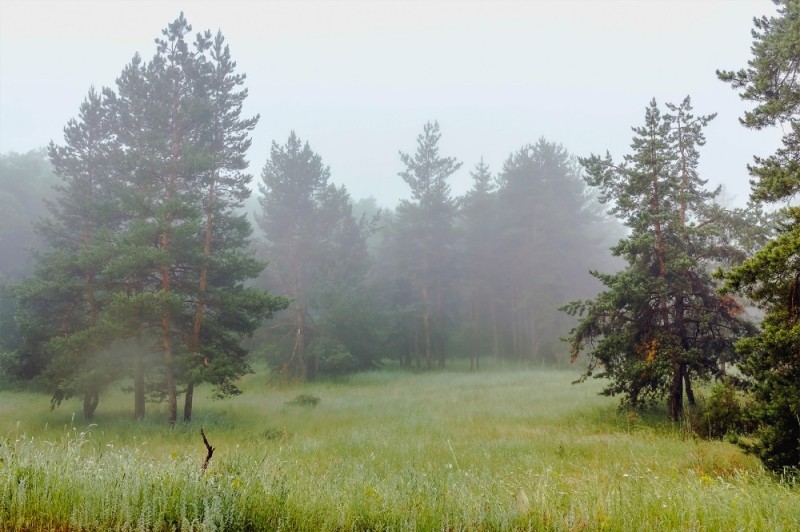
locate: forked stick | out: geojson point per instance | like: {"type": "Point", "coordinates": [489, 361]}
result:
{"type": "Point", "coordinates": [209, 447]}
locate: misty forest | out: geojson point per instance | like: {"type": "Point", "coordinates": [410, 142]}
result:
{"type": "Point", "coordinates": [192, 340]}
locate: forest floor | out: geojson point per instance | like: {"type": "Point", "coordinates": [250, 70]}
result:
{"type": "Point", "coordinates": [510, 449]}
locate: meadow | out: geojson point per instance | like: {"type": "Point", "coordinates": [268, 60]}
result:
{"type": "Point", "coordinates": [497, 449]}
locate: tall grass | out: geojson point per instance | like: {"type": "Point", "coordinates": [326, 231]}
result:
{"type": "Point", "coordinates": [497, 450]}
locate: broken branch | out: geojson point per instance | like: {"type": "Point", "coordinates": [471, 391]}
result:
{"type": "Point", "coordinates": [208, 447]}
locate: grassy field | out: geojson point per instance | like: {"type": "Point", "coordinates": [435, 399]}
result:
{"type": "Point", "coordinates": [496, 450]}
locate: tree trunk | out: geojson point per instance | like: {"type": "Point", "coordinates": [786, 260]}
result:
{"type": "Point", "coordinates": [689, 391]}
{"type": "Point", "coordinates": [169, 371]}
{"type": "Point", "coordinates": [676, 391]}
{"type": "Point", "coordinates": [495, 336]}
{"type": "Point", "coordinates": [426, 327]}
{"type": "Point", "coordinates": [202, 287]}
{"type": "Point", "coordinates": [187, 401]}
{"type": "Point", "coordinates": [138, 386]}
{"type": "Point", "coordinates": [90, 401]}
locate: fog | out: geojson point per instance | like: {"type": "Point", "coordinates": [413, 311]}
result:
{"type": "Point", "coordinates": [359, 79]}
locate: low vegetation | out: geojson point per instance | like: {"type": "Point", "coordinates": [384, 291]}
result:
{"type": "Point", "coordinates": [393, 450]}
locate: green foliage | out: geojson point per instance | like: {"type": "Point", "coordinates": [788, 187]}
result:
{"type": "Point", "coordinates": [318, 257]}
{"type": "Point", "coordinates": [333, 358]}
{"type": "Point", "coordinates": [148, 249]}
{"type": "Point", "coordinates": [304, 399]}
{"type": "Point", "coordinates": [722, 414]}
{"type": "Point", "coordinates": [661, 323]}
{"type": "Point", "coordinates": [770, 277]}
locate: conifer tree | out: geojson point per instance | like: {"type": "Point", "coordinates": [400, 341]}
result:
{"type": "Point", "coordinates": [544, 234]}
{"type": "Point", "coordinates": [63, 301]}
{"type": "Point", "coordinates": [771, 277]}
{"type": "Point", "coordinates": [314, 244]}
{"type": "Point", "coordinates": [425, 224]}
{"type": "Point", "coordinates": [660, 321]}
{"type": "Point", "coordinates": [478, 217]}
{"type": "Point", "coordinates": [165, 179]}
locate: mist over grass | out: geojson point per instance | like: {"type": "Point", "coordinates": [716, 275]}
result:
{"type": "Point", "coordinates": [500, 449]}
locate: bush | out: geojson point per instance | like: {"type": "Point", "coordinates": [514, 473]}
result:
{"type": "Point", "coordinates": [304, 399]}
{"type": "Point", "coordinates": [723, 413]}
{"type": "Point", "coordinates": [333, 358]}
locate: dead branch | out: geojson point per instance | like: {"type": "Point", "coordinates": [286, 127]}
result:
{"type": "Point", "coordinates": [209, 447]}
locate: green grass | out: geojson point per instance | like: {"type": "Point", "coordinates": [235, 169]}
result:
{"type": "Point", "coordinates": [494, 450]}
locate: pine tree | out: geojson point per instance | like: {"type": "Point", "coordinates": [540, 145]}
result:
{"type": "Point", "coordinates": [544, 234]}
{"type": "Point", "coordinates": [154, 232]}
{"type": "Point", "coordinates": [478, 224]}
{"type": "Point", "coordinates": [63, 301]}
{"type": "Point", "coordinates": [312, 239]}
{"type": "Point", "coordinates": [660, 322]}
{"type": "Point", "coordinates": [771, 277]}
{"type": "Point", "coordinates": [425, 226]}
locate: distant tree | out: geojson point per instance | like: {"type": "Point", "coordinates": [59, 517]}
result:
{"type": "Point", "coordinates": [317, 251]}
{"type": "Point", "coordinates": [546, 239]}
{"type": "Point", "coordinates": [660, 322]}
{"type": "Point", "coordinates": [771, 278]}
{"type": "Point", "coordinates": [424, 225]}
{"type": "Point", "coordinates": [478, 224]}
{"type": "Point", "coordinates": [25, 182]}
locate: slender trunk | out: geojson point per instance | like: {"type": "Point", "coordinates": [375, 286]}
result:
{"type": "Point", "coordinates": [202, 288]}
{"type": "Point", "coordinates": [169, 370]}
{"type": "Point", "coordinates": [473, 320]}
{"type": "Point", "coordinates": [495, 336]}
{"type": "Point", "coordinates": [417, 358]}
{"type": "Point", "coordinates": [138, 386]}
{"type": "Point", "coordinates": [90, 401]}
{"type": "Point", "coordinates": [514, 336]}
{"type": "Point", "coordinates": [689, 391]}
{"type": "Point", "coordinates": [166, 338]}
{"type": "Point", "coordinates": [299, 351]}
{"type": "Point", "coordinates": [426, 327]}
{"type": "Point", "coordinates": [176, 147]}
{"type": "Point", "coordinates": [676, 391]}
{"type": "Point", "coordinates": [187, 401]}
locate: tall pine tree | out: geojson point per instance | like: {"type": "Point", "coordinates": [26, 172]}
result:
{"type": "Point", "coordinates": [771, 277]}
{"type": "Point", "coordinates": [660, 322]}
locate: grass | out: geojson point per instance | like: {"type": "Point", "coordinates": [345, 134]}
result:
{"type": "Point", "coordinates": [494, 450]}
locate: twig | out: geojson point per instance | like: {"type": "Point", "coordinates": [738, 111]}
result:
{"type": "Point", "coordinates": [209, 447]}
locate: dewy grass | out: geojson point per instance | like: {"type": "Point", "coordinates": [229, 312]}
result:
{"type": "Point", "coordinates": [446, 450]}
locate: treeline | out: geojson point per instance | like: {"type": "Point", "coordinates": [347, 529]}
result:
{"type": "Point", "coordinates": [148, 272]}
{"type": "Point", "coordinates": [437, 277]}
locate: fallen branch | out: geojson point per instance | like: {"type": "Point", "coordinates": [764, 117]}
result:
{"type": "Point", "coordinates": [210, 450]}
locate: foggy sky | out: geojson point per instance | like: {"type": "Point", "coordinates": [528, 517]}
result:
{"type": "Point", "coordinates": [359, 79]}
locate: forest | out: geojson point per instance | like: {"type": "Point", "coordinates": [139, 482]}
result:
{"type": "Point", "coordinates": [146, 264]}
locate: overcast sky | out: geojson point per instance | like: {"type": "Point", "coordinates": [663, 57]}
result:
{"type": "Point", "coordinates": [358, 79]}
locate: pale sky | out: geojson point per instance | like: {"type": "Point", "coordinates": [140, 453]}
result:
{"type": "Point", "coordinates": [358, 79]}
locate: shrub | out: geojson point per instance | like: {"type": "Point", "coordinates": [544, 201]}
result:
{"type": "Point", "coordinates": [722, 414]}
{"type": "Point", "coordinates": [304, 399]}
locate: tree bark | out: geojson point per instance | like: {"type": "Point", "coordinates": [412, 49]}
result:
{"type": "Point", "coordinates": [138, 386]}
{"type": "Point", "coordinates": [426, 327]}
{"type": "Point", "coordinates": [90, 401]}
{"type": "Point", "coordinates": [676, 392]}
{"type": "Point", "coordinates": [187, 401]}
